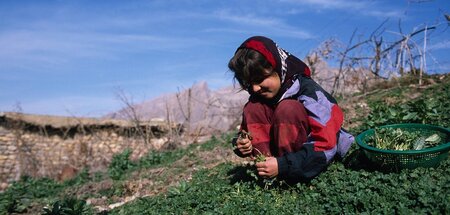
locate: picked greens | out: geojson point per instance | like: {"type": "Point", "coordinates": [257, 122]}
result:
{"type": "Point", "coordinates": [400, 139]}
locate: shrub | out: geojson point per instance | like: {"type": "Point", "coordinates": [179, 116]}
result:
{"type": "Point", "coordinates": [20, 195]}
{"type": "Point", "coordinates": [120, 164]}
{"type": "Point", "coordinates": [432, 107]}
{"type": "Point", "coordinates": [68, 206]}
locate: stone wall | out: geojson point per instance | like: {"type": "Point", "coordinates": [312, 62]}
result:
{"type": "Point", "coordinates": [44, 151]}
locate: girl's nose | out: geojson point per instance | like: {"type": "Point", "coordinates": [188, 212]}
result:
{"type": "Point", "coordinates": [256, 87]}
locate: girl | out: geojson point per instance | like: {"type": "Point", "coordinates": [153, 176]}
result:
{"type": "Point", "coordinates": [289, 118]}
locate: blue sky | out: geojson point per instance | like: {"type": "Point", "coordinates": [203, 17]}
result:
{"type": "Point", "coordinates": [71, 57]}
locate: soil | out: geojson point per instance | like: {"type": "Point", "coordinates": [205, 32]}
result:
{"type": "Point", "coordinates": [153, 181]}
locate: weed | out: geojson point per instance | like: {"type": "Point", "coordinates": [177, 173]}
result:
{"type": "Point", "coordinates": [21, 194]}
{"type": "Point", "coordinates": [433, 107]}
{"type": "Point", "coordinates": [182, 188]}
{"type": "Point", "coordinates": [120, 164]}
{"type": "Point", "coordinates": [80, 179]}
{"type": "Point", "coordinates": [68, 206]}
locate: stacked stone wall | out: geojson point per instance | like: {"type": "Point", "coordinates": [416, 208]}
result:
{"type": "Point", "coordinates": [40, 154]}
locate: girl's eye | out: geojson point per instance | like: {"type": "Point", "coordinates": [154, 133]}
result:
{"type": "Point", "coordinates": [255, 80]}
{"type": "Point", "coordinates": [258, 80]}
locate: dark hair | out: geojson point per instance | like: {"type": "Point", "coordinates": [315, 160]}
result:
{"type": "Point", "coordinates": [249, 67]}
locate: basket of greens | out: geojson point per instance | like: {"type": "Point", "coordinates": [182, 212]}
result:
{"type": "Point", "coordinates": [405, 146]}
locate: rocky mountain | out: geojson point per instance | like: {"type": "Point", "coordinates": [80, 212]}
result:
{"type": "Point", "coordinates": [200, 109]}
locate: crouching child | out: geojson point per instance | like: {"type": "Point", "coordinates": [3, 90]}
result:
{"type": "Point", "coordinates": [288, 118]}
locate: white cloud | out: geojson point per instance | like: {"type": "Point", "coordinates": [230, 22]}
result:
{"type": "Point", "coordinates": [248, 19]}
{"type": "Point", "coordinates": [61, 38]}
{"type": "Point", "coordinates": [68, 106]}
{"type": "Point", "coordinates": [27, 49]}
{"type": "Point", "coordinates": [440, 45]}
{"type": "Point", "coordinates": [382, 14]}
{"type": "Point", "coordinates": [337, 4]}
{"type": "Point", "coordinates": [367, 8]}
{"type": "Point", "coordinates": [258, 25]}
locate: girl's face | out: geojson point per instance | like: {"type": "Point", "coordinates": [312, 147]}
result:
{"type": "Point", "coordinates": [268, 88]}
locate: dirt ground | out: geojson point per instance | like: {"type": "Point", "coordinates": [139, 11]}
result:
{"type": "Point", "coordinates": [154, 181]}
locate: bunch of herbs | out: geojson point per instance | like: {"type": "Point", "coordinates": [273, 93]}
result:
{"type": "Point", "coordinates": [401, 139]}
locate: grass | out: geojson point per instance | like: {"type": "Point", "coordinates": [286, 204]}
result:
{"type": "Point", "coordinates": [227, 189]}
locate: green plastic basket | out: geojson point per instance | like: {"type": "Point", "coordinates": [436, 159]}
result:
{"type": "Point", "coordinates": [408, 159]}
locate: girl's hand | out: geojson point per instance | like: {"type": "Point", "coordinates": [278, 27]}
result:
{"type": "Point", "coordinates": [268, 168]}
{"type": "Point", "coordinates": [244, 145]}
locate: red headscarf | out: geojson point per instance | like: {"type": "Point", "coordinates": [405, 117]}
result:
{"type": "Point", "coordinates": [286, 65]}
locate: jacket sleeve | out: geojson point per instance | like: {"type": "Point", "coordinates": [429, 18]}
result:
{"type": "Point", "coordinates": [325, 119]}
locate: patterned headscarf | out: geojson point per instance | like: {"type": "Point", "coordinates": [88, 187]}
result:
{"type": "Point", "coordinates": [286, 65]}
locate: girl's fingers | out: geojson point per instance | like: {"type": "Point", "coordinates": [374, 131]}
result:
{"type": "Point", "coordinates": [264, 174]}
{"type": "Point", "coordinates": [244, 146]}
{"type": "Point", "coordinates": [246, 150]}
{"type": "Point", "coordinates": [243, 142]}
{"type": "Point", "coordinates": [261, 165]}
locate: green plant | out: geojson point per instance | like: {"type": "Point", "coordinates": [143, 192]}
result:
{"type": "Point", "coordinates": [80, 179]}
{"type": "Point", "coordinates": [252, 170]}
{"type": "Point", "coordinates": [120, 164]}
{"type": "Point", "coordinates": [21, 194]}
{"type": "Point", "coordinates": [432, 107]}
{"type": "Point", "coordinates": [68, 206]}
{"type": "Point", "coordinates": [159, 158]}
{"type": "Point", "coordinates": [151, 159]}
{"type": "Point", "coordinates": [182, 188]}
{"type": "Point", "coordinates": [400, 139]}
{"type": "Point", "coordinates": [9, 204]}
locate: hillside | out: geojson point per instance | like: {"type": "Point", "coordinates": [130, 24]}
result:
{"type": "Point", "coordinates": [201, 109]}
{"type": "Point", "coordinates": [209, 178]}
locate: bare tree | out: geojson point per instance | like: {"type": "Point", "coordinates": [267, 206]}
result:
{"type": "Point", "coordinates": [194, 129]}
{"type": "Point", "coordinates": [404, 50]}
{"type": "Point", "coordinates": [323, 52]}
{"type": "Point", "coordinates": [27, 164]}
{"type": "Point", "coordinates": [187, 114]}
{"type": "Point", "coordinates": [132, 114]}
{"type": "Point", "coordinates": [376, 54]}
{"type": "Point", "coordinates": [344, 63]}
{"type": "Point", "coordinates": [174, 133]}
